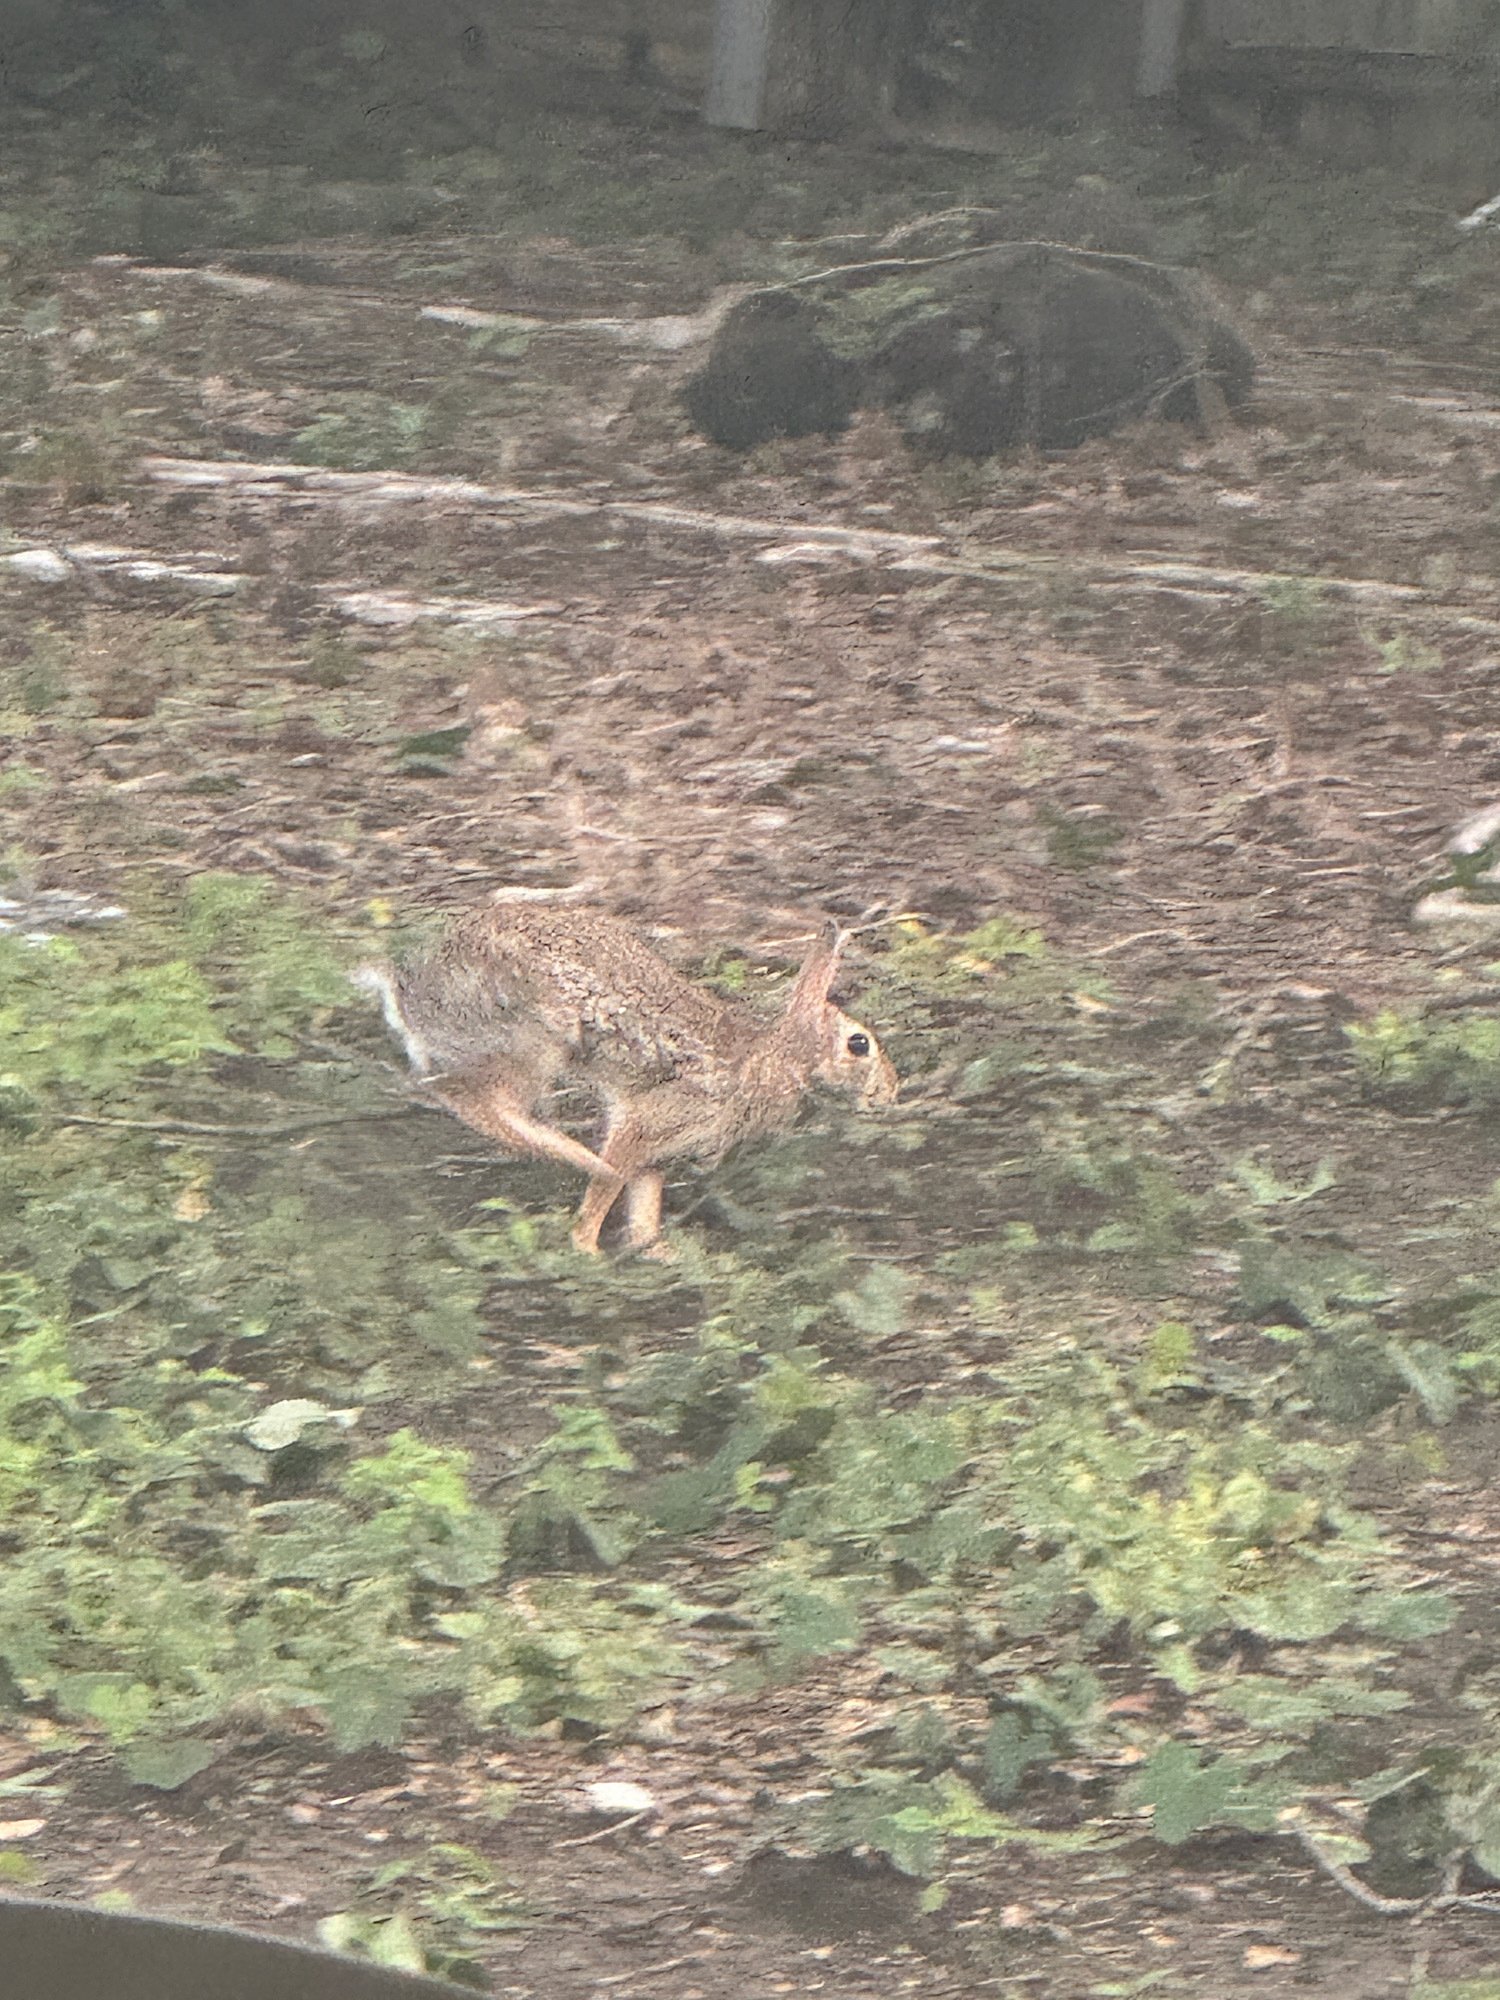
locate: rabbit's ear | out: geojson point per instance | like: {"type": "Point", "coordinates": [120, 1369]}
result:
{"type": "Point", "coordinates": [820, 968]}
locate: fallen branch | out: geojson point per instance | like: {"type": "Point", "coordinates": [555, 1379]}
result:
{"type": "Point", "coordinates": [397, 488]}
{"type": "Point", "coordinates": [1446, 1896]}
{"type": "Point", "coordinates": [185, 1127]}
{"type": "Point", "coordinates": [916, 555]}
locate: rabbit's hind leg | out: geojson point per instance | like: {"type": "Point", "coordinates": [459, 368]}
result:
{"type": "Point", "coordinates": [489, 1101]}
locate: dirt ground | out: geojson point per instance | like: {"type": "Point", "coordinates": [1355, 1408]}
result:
{"type": "Point", "coordinates": [1256, 668]}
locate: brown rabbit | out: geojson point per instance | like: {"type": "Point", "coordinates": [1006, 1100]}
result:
{"type": "Point", "coordinates": [520, 997]}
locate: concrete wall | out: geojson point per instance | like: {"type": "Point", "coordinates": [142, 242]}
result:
{"type": "Point", "coordinates": [1390, 27]}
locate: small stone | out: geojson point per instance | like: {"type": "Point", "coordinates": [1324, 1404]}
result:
{"type": "Point", "coordinates": [43, 564]}
{"type": "Point", "coordinates": [618, 1795]}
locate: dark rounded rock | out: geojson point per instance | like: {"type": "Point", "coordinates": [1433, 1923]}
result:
{"type": "Point", "coordinates": [954, 388]}
{"type": "Point", "coordinates": [1099, 352]}
{"type": "Point", "coordinates": [769, 375]}
{"type": "Point", "coordinates": [1049, 349]}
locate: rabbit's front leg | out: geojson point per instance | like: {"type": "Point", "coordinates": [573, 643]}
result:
{"type": "Point", "coordinates": [625, 1150]}
{"type": "Point", "coordinates": [643, 1216]}
{"type": "Point", "coordinates": [489, 1101]}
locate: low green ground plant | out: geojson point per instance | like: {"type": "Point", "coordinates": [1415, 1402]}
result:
{"type": "Point", "coordinates": [229, 1501]}
{"type": "Point", "coordinates": [1454, 1058]}
{"type": "Point", "coordinates": [430, 1913]}
{"type": "Point", "coordinates": [187, 1548]}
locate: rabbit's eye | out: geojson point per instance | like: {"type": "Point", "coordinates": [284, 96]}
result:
{"type": "Point", "coordinates": [858, 1045]}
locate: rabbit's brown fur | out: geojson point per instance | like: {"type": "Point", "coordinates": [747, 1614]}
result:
{"type": "Point", "coordinates": [520, 997]}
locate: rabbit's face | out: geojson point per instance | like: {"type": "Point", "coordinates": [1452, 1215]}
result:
{"type": "Point", "coordinates": [854, 1061]}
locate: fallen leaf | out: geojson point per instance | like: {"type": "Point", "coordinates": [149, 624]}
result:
{"type": "Point", "coordinates": [1260, 1957]}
